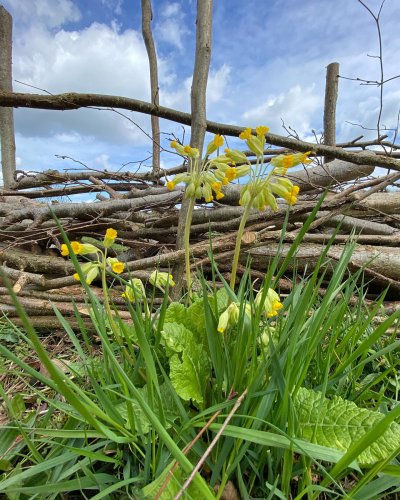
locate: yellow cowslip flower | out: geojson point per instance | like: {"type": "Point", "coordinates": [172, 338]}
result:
{"type": "Point", "coordinates": [236, 156]}
{"type": "Point", "coordinates": [219, 195]}
{"type": "Point", "coordinates": [303, 157]}
{"type": "Point", "coordinates": [231, 173]}
{"type": "Point", "coordinates": [109, 238]}
{"type": "Point", "coordinates": [191, 152]}
{"type": "Point", "coordinates": [288, 161]}
{"type": "Point", "coordinates": [246, 134]}
{"type": "Point", "coordinates": [134, 290]}
{"type": "Point", "coordinates": [178, 147]}
{"type": "Point", "coordinates": [271, 304]}
{"type": "Point", "coordinates": [216, 186]}
{"type": "Point", "coordinates": [118, 267]}
{"type": "Point", "coordinates": [213, 145]}
{"type": "Point", "coordinates": [292, 197]}
{"type": "Point", "coordinates": [262, 130]}
{"type": "Point", "coordinates": [170, 185]}
{"type": "Point", "coordinates": [229, 317]}
{"type": "Point", "coordinates": [64, 250]}
{"type": "Point", "coordinates": [79, 248]}
{"type": "Point", "coordinates": [284, 188]}
{"type": "Point", "coordinates": [160, 279]}
{"type": "Point", "coordinates": [90, 271]}
{"type": "Point", "coordinates": [76, 247]}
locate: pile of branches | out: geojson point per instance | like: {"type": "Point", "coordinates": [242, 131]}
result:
{"type": "Point", "coordinates": [145, 214]}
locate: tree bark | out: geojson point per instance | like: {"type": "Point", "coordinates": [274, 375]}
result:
{"type": "Point", "coordinates": [6, 114]}
{"type": "Point", "coordinates": [198, 108]}
{"type": "Point", "coordinates": [331, 95]}
{"type": "Point", "coordinates": [147, 16]}
{"type": "Point", "coordinates": [75, 101]}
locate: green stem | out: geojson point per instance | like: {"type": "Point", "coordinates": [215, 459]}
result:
{"type": "Point", "coordinates": [106, 299]}
{"type": "Point", "coordinates": [239, 235]}
{"type": "Point", "coordinates": [188, 224]}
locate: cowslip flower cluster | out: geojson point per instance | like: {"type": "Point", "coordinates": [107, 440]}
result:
{"type": "Point", "coordinates": [270, 307]}
{"type": "Point", "coordinates": [91, 269]}
{"type": "Point", "coordinates": [135, 291]}
{"type": "Point", "coordinates": [262, 187]}
{"type": "Point", "coordinates": [206, 177]}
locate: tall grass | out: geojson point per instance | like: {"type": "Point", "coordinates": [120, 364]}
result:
{"type": "Point", "coordinates": [118, 425]}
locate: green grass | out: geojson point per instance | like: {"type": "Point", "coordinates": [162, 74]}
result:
{"type": "Point", "coordinates": [114, 421]}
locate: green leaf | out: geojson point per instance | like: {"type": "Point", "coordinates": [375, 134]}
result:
{"type": "Point", "coordinates": [168, 405]}
{"type": "Point", "coordinates": [338, 424]}
{"type": "Point", "coordinates": [172, 488]}
{"type": "Point", "coordinates": [188, 363]}
{"type": "Point", "coordinates": [176, 313]}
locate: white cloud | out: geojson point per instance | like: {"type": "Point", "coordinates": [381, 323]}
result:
{"type": "Point", "coordinates": [295, 107]}
{"type": "Point", "coordinates": [97, 59]}
{"type": "Point", "coordinates": [115, 5]}
{"type": "Point", "coordinates": [171, 28]}
{"type": "Point", "coordinates": [51, 13]}
{"type": "Point", "coordinates": [171, 9]}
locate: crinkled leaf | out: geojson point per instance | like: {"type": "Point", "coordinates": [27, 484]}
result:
{"type": "Point", "coordinates": [175, 313]}
{"type": "Point", "coordinates": [195, 318]}
{"type": "Point", "coordinates": [188, 363]}
{"type": "Point", "coordinates": [338, 423]}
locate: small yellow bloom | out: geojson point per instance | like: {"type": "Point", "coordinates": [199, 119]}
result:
{"type": "Point", "coordinates": [218, 140]}
{"type": "Point", "coordinates": [64, 250]}
{"type": "Point", "coordinates": [134, 290]}
{"type": "Point", "coordinates": [262, 130]}
{"type": "Point", "coordinates": [160, 279]}
{"type": "Point", "coordinates": [191, 152]}
{"type": "Point", "coordinates": [292, 196]}
{"type": "Point", "coordinates": [272, 303]}
{"type": "Point", "coordinates": [231, 173]}
{"type": "Point", "coordinates": [76, 247]}
{"type": "Point", "coordinates": [76, 277]}
{"type": "Point", "coordinates": [216, 187]}
{"type": "Point", "coordinates": [236, 156]}
{"type": "Point", "coordinates": [246, 134]}
{"type": "Point", "coordinates": [304, 157]}
{"type": "Point", "coordinates": [174, 144]}
{"type": "Point", "coordinates": [229, 317]}
{"type": "Point", "coordinates": [219, 195]}
{"type": "Point", "coordinates": [170, 185]}
{"type": "Point", "coordinates": [118, 267]}
{"type": "Point", "coordinates": [110, 237]}
{"type": "Point", "coordinates": [288, 161]}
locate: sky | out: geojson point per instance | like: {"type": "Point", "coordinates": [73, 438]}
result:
{"type": "Point", "coordinates": [268, 66]}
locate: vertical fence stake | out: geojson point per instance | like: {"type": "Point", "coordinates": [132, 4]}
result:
{"type": "Point", "coordinates": [331, 94]}
{"type": "Point", "coordinates": [6, 114]}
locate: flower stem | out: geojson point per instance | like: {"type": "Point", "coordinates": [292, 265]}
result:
{"type": "Point", "coordinates": [188, 224]}
{"type": "Point", "coordinates": [239, 235]}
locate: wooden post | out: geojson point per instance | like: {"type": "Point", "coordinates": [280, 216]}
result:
{"type": "Point", "coordinates": [331, 94]}
{"type": "Point", "coordinates": [6, 114]}
{"type": "Point", "coordinates": [198, 108]}
{"type": "Point", "coordinates": [147, 16]}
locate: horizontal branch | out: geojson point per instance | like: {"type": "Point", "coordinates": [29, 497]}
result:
{"type": "Point", "coordinates": [70, 101]}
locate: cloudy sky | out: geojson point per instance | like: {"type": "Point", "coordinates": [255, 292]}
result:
{"type": "Point", "coordinates": [268, 64]}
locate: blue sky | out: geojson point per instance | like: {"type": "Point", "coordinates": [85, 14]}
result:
{"type": "Point", "coordinates": [268, 64]}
